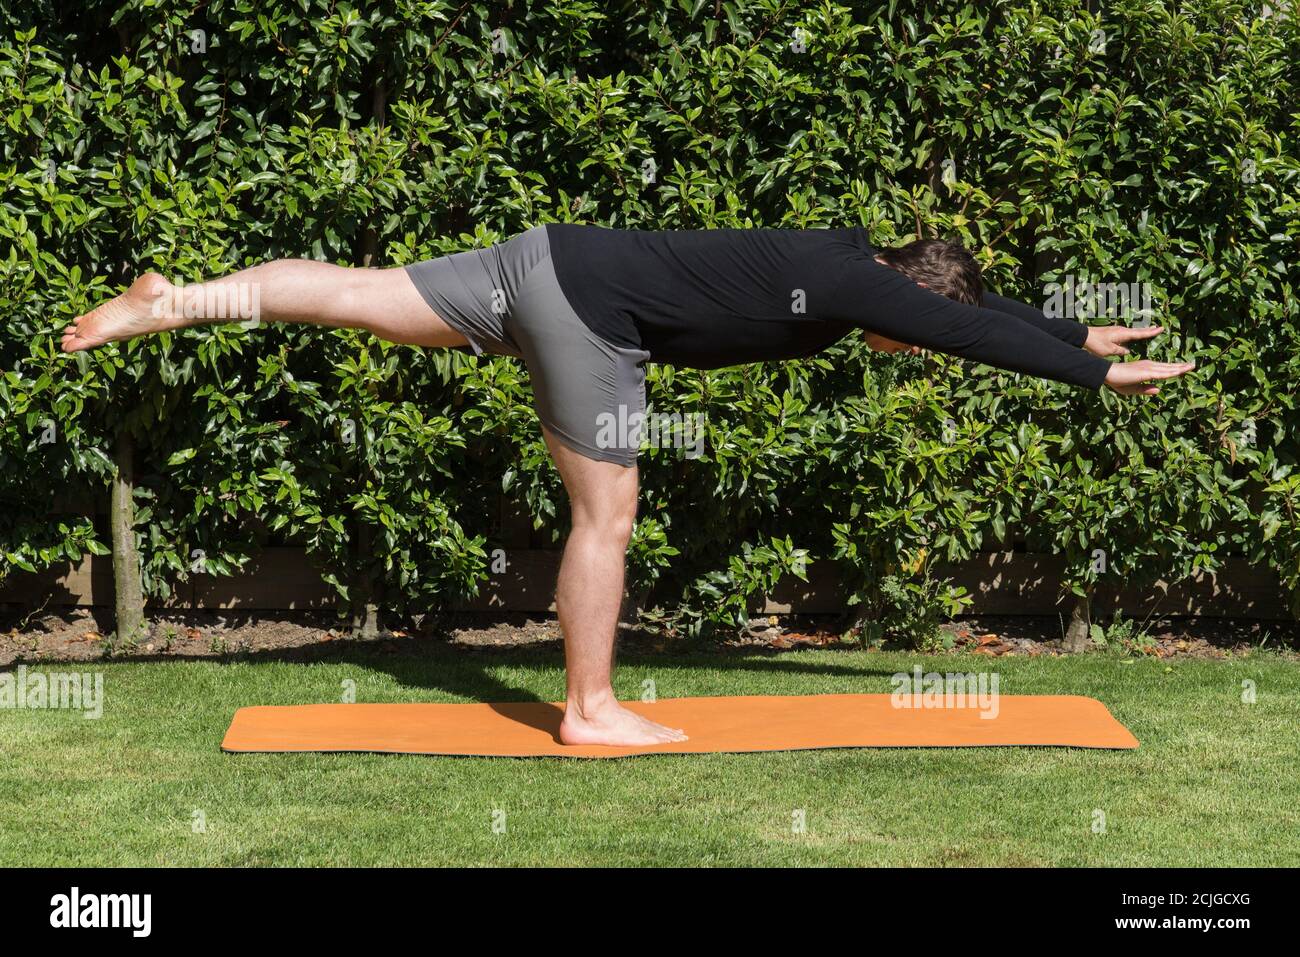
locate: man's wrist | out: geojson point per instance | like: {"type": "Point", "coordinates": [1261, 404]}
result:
{"type": "Point", "coordinates": [1102, 374]}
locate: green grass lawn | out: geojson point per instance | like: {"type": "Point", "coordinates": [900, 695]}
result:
{"type": "Point", "coordinates": [1215, 781]}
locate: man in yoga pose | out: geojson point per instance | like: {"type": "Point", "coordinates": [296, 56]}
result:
{"type": "Point", "coordinates": [585, 307]}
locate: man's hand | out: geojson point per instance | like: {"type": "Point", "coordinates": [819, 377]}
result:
{"type": "Point", "coordinates": [1131, 378]}
{"type": "Point", "coordinates": [1109, 340]}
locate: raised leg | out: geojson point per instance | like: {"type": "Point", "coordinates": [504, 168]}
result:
{"type": "Point", "coordinates": [589, 593]}
{"type": "Point", "coordinates": [382, 301]}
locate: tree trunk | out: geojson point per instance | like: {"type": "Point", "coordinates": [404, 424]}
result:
{"type": "Point", "coordinates": [1077, 636]}
{"type": "Point", "coordinates": [128, 597]}
{"type": "Point", "coordinates": [364, 591]}
{"type": "Point", "coordinates": [365, 620]}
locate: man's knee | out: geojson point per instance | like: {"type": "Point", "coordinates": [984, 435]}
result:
{"type": "Point", "coordinates": [621, 528]}
{"type": "Point", "coordinates": [613, 522]}
{"type": "Point", "coordinates": [611, 515]}
{"type": "Point", "coordinates": [602, 495]}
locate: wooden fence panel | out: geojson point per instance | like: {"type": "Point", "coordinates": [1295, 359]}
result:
{"type": "Point", "coordinates": [1002, 583]}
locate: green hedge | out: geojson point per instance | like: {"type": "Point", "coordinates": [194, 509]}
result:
{"type": "Point", "coordinates": [1152, 142]}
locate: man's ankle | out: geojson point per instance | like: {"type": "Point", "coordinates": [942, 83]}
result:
{"type": "Point", "coordinates": [587, 703]}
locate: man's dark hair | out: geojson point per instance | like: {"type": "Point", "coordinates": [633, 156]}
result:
{"type": "Point", "coordinates": [944, 267]}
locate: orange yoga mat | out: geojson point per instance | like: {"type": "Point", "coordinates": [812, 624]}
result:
{"type": "Point", "coordinates": [734, 724]}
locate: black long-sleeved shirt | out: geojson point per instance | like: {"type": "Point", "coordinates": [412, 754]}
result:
{"type": "Point", "coordinates": [720, 297]}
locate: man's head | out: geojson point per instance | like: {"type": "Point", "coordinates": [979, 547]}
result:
{"type": "Point", "coordinates": [943, 267]}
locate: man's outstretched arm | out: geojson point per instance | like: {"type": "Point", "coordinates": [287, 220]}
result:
{"type": "Point", "coordinates": [1067, 330]}
{"type": "Point", "coordinates": [879, 299]}
{"type": "Point", "coordinates": [1099, 340]}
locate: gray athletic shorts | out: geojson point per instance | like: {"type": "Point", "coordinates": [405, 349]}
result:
{"type": "Point", "coordinates": [506, 300]}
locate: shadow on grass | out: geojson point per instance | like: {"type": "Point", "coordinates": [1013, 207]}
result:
{"type": "Point", "coordinates": [471, 672]}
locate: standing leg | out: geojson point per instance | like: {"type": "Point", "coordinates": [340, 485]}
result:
{"type": "Point", "coordinates": [589, 594]}
{"type": "Point", "coordinates": [382, 301]}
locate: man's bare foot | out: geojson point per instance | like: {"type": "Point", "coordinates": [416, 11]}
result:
{"type": "Point", "coordinates": [144, 308]}
{"type": "Point", "coordinates": [610, 723]}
